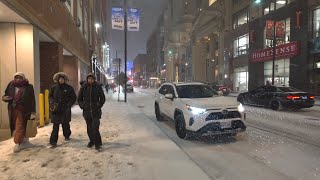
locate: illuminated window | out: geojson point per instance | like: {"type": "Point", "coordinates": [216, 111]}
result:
{"type": "Point", "coordinates": [274, 5]}
{"type": "Point", "coordinates": [240, 19]}
{"type": "Point", "coordinates": [316, 23]}
{"type": "Point", "coordinates": [241, 46]}
{"type": "Point", "coordinates": [211, 2]}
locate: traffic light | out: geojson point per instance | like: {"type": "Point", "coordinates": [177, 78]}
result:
{"type": "Point", "coordinates": [257, 1]}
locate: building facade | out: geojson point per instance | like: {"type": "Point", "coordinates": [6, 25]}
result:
{"type": "Point", "coordinates": [178, 19]}
{"type": "Point", "coordinates": [41, 38]}
{"type": "Point", "coordinates": [231, 42]}
{"type": "Point", "coordinates": [295, 32]}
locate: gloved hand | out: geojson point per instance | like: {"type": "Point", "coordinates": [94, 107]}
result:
{"type": "Point", "coordinates": [33, 116]}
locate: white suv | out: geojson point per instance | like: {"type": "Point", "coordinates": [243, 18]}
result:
{"type": "Point", "coordinates": [196, 109]}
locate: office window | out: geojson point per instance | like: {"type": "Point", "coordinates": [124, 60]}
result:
{"type": "Point", "coordinates": [241, 46]}
{"type": "Point", "coordinates": [316, 23]}
{"type": "Point", "coordinates": [211, 2]}
{"type": "Point", "coordinates": [240, 19]}
{"type": "Point", "coordinates": [282, 33]}
{"type": "Point", "coordinates": [274, 5]}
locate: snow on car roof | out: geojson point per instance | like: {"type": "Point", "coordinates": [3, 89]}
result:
{"type": "Point", "coordinates": [187, 83]}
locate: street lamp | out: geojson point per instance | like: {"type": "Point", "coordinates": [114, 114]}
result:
{"type": "Point", "coordinates": [97, 25]}
{"type": "Point", "coordinates": [257, 1]}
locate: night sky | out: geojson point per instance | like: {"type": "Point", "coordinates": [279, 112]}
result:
{"type": "Point", "coordinates": [150, 11]}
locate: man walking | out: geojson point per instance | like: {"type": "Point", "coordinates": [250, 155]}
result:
{"type": "Point", "coordinates": [61, 97]}
{"type": "Point", "coordinates": [91, 99]}
{"type": "Point", "coordinates": [107, 88]}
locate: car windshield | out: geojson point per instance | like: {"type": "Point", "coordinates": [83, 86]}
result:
{"type": "Point", "coordinates": [195, 91]}
{"type": "Point", "coordinates": [289, 89]}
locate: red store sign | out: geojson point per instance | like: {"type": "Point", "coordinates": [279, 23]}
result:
{"type": "Point", "coordinates": [282, 51]}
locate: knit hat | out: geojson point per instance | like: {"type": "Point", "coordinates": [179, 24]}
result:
{"type": "Point", "coordinates": [59, 75]}
{"type": "Point", "coordinates": [91, 75]}
{"type": "Point", "coordinates": [20, 74]}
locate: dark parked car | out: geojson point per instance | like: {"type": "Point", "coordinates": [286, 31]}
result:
{"type": "Point", "coordinates": [277, 97]}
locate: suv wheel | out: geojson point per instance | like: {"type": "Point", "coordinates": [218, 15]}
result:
{"type": "Point", "coordinates": [157, 112]}
{"type": "Point", "coordinates": [181, 130]}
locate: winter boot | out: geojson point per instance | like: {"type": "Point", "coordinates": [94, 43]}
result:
{"type": "Point", "coordinates": [16, 148]}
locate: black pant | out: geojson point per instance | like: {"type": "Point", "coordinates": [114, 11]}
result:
{"type": "Point", "coordinates": [55, 132]}
{"type": "Point", "coordinates": [93, 131]}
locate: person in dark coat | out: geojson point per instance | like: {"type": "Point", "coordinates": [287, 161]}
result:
{"type": "Point", "coordinates": [20, 97]}
{"type": "Point", "coordinates": [107, 88]}
{"type": "Point", "coordinates": [91, 99]}
{"type": "Point", "coordinates": [61, 98]}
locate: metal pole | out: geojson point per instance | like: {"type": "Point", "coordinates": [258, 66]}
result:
{"type": "Point", "coordinates": [125, 49]}
{"type": "Point", "coordinates": [119, 79]}
{"type": "Point", "coordinates": [274, 50]}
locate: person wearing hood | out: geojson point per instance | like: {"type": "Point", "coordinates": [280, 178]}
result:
{"type": "Point", "coordinates": [61, 99]}
{"type": "Point", "coordinates": [91, 99]}
{"type": "Point", "coordinates": [20, 97]}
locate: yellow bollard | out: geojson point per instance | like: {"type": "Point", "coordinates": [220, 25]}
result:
{"type": "Point", "coordinates": [41, 110]}
{"type": "Point", "coordinates": [46, 106]}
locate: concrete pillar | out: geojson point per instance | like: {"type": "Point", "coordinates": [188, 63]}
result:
{"type": "Point", "coordinates": [19, 51]}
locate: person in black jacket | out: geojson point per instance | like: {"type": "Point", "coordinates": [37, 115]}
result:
{"type": "Point", "coordinates": [91, 99]}
{"type": "Point", "coordinates": [61, 98]}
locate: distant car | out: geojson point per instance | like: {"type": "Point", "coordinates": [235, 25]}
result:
{"type": "Point", "coordinates": [277, 97]}
{"type": "Point", "coordinates": [196, 110]}
{"type": "Point", "coordinates": [129, 88]}
{"type": "Point", "coordinates": [224, 89]}
{"type": "Point", "coordinates": [143, 86]}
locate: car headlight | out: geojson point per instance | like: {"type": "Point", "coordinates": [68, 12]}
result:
{"type": "Point", "coordinates": [196, 110]}
{"type": "Point", "coordinates": [240, 108]}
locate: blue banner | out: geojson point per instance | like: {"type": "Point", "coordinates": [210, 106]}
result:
{"type": "Point", "coordinates": [117, 18]}
{"type": "Point", "coordinates": [133, 19]}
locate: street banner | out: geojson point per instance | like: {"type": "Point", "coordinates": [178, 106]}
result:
{"type": "Point", "coordinates": [117, 18]}
{"type": "Point", "coordinates": [133, 19]}
{"type": "Point", "coordinates": [280, 30]}
{"type": "Point", "coordinates": [269, 29]}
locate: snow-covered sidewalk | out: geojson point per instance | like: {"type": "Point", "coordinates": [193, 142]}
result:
{"type": "Point", "coordinates": [133, 148]}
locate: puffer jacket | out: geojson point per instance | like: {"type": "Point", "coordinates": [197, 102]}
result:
{"type": "Point", "coordinates": [91, 99]}
{"type": "Point", "coordinates": [65, 97]}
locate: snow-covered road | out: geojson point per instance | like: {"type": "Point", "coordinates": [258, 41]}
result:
{"type": "Point", "coordinates": [136, 146]}
{"type": "Point", "coordinates": [263, 152]}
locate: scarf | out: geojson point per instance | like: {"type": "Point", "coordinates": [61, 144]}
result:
{"type": "Point", "coordinates": [21, 86]}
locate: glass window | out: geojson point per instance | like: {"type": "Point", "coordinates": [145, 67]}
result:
{"type": "Point", "coordinates": [170, 90]}
{"type": "Point", "coordinates": [241, 46]}
{"type": "Point", "coordinates": [163, 90]}
{"type": "Point", "coordinates": [274, 5]}
{"type": "Point", "coordinates": [282, 33]}
{"type": "Point", "coordinates": [280, 3]}
{"type": "Point", "coordinates": [316, 23]}
{"type": "Point", "coordinates": [240, 19]}
{"type": "Point", "coordinates": [211, 2]}
{"type": "Point", "coordinates": [241, 79]}
{"type": "Point", "coordinates": [195, 91]}
{"type": "Point", "coordinates": [281, 71]}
